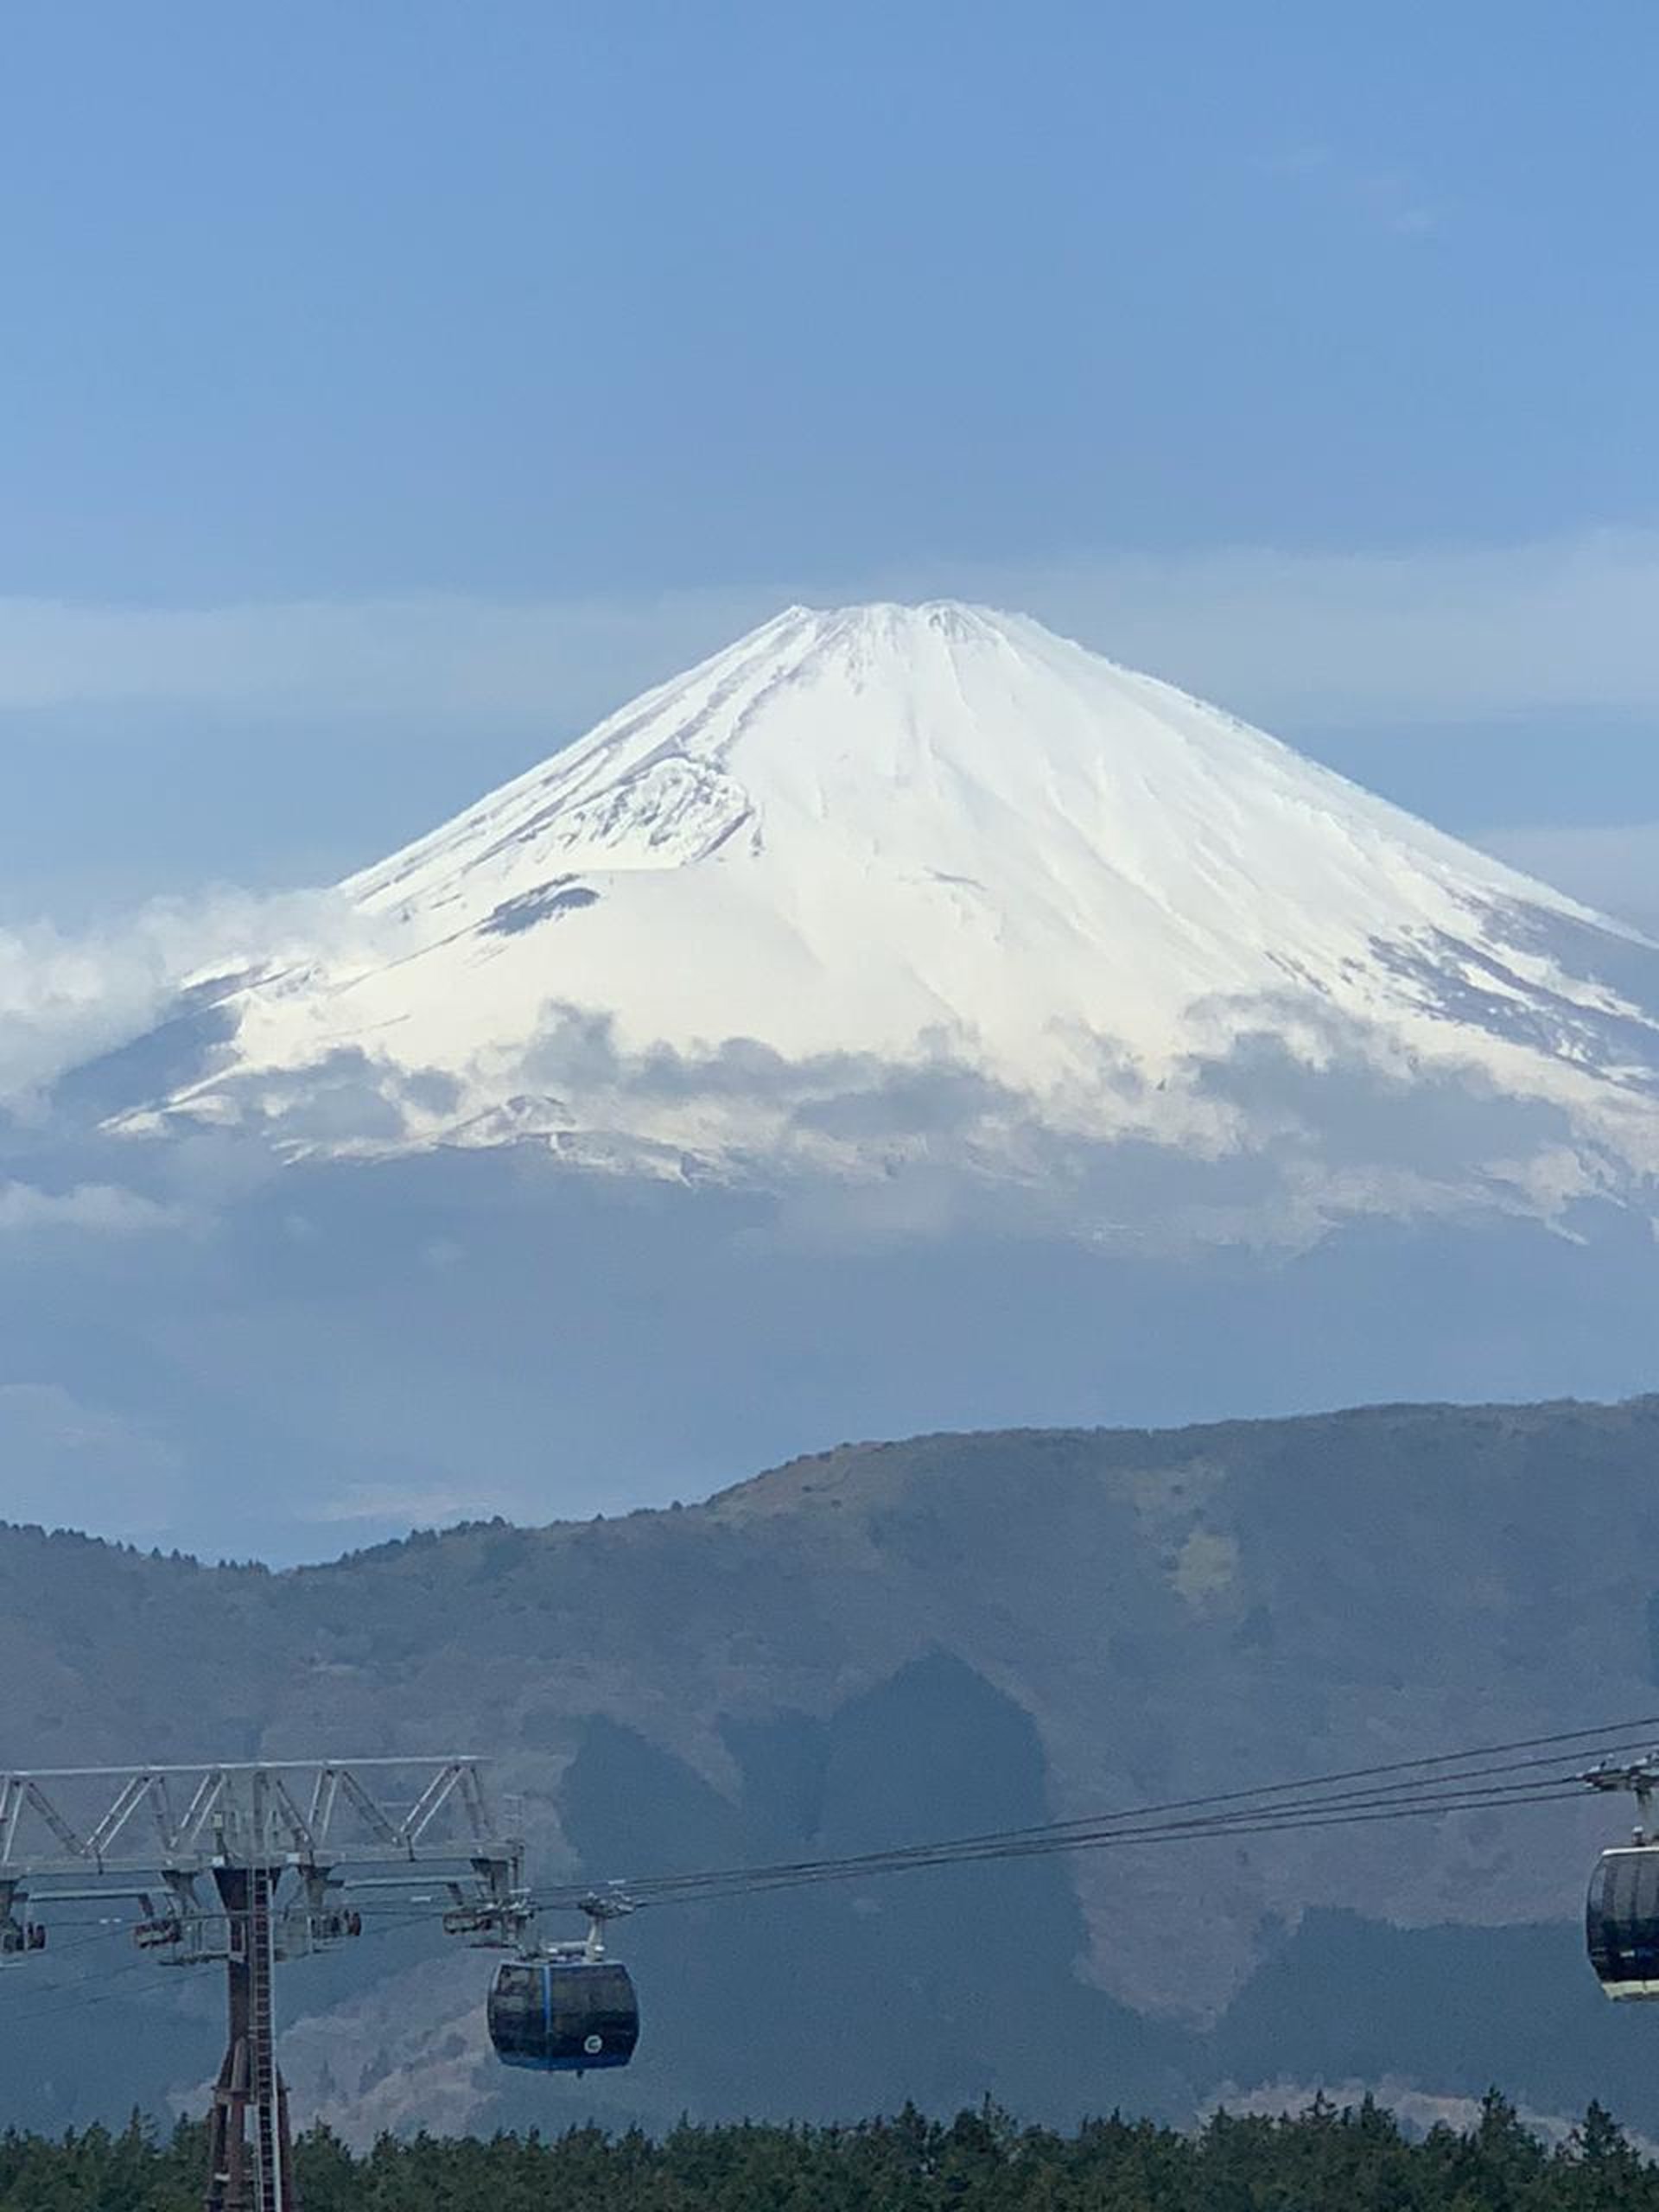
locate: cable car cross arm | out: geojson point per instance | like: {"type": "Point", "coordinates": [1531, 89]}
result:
{"type": "Point", "coordinates": [291, 1812]}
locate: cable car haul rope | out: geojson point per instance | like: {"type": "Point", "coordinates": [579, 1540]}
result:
{"type": "Point", "coordinates": [1486, 1777]}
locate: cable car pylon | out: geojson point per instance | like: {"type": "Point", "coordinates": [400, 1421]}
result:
{"type": "Point", "coordinates": [250, 2086]}
{"type": "Point", "coordinates": [246, 1866]}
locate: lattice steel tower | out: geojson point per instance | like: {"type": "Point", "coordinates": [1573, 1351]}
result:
{"type": "Point", "coordinates": [246, 1866]}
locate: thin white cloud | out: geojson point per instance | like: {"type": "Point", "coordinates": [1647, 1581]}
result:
{"type": "Point", "coordinates": [1432, 634]}
{"type": "Point", "coordinates": [1614, 867]}
{"type": "Point", "coordinates": [1368, 637]}
{"type": "Point", "coordinates": [65, 1464]}
{"type": "Point", "coordinates": [101, 1209]}
{"type": "Point", "coordinates": [391, 1504]}
{"type": "Point", "coordinates": [431, 657]}
{"type": "Point", "coordinates": [1386, 199]}
{"type": "Point", "coordinates": [65, 997]}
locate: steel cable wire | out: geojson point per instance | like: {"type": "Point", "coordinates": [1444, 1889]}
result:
{"type": "Point", "coordinates": [1442, 1776]}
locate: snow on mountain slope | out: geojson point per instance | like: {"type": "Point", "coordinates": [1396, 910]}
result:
{"type": "Point", "coordinates": [896, 882]}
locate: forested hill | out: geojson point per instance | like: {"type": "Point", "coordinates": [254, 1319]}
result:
{"type": "Point", "coordinates": [899, 1642]}
{"type": "Point", "coordinates": [1325, 2158]}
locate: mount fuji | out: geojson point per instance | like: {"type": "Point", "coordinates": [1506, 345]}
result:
{"type": "Point", "coordinates": [931, 887]}
{"type": "Point", "coordinates": [907, 1020]}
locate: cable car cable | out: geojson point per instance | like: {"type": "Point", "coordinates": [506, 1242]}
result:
{"type": "Point", "coordinates": [653, 1887]}
{"type": "Point", "coordinates": [1240, 1825]}
{"type": "Point", "coordinates": [1085, 1832]}
{"type": "Point", "coordinates": [1116, 1828]}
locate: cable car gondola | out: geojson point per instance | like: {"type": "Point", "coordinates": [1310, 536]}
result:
{"type": "Point", "coordinates": [1621, 1921]}
{"type": "Point", "coordinates": [563, 2012]}
{"type": "Point", "coordinates": [1621, 1915]}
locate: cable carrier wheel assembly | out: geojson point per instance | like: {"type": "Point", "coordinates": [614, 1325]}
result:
{"type": "Point", "coordinates": [247, 1867]}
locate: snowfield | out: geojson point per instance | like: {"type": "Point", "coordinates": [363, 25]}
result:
{"type": "Point", "coordinates": [890, 883]}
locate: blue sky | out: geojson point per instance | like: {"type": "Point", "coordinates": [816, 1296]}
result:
{"type": "Point", "coordinates": [388, 388]}
{"type": "Point", "coordinates": [413, 381]}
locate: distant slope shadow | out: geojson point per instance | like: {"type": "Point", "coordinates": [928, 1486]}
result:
{"type": "Point", "coordinates": [937, 1986]}
{"type": "Point", "coordinates": [946, 1984]}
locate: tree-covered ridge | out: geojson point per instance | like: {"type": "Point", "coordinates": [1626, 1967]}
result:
{"type": "Point", "coordinates": [1327, 2158]}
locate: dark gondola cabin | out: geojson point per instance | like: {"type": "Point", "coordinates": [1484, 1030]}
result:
{"type": "Point", "coordinates": [1622, 1920]}
{"type": "Point", "coordinates": [561, 2016]}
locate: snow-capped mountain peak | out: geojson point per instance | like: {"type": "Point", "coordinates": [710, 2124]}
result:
{"type": "Point", "coordinates": [935, 847]}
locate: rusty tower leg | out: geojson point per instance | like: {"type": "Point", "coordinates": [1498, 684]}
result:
{"type": "Point", "coordinates": [250, 2167]}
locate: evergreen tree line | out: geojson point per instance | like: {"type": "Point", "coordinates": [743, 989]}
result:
{"type": "Point", "coordinates": [1327, 2158]}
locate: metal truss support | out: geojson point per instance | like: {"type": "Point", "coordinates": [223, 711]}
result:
{"type": "Point", "coordinates": [326, 1826]}
{"type": "Point", "coordinates": [99, 1820]}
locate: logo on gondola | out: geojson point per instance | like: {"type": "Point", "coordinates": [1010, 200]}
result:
{"type": "Point", "coordinates": [593, 2045]}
